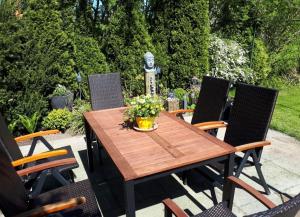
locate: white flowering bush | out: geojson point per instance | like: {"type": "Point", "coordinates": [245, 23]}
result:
{"type": "Point", "coordinates": [229, 60]}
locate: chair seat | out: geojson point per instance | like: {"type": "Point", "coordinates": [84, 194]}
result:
{"type": "Point", "coordinates": [78, 189]}
{"type": "Point", "coordinates": [218, 210]}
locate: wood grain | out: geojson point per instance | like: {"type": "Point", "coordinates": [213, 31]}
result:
{"type": "Point", "coordinates": [138, 154]}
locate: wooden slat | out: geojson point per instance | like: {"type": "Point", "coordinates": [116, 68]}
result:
{"type": "Point", "coordinates": [137, 154]}
{"type": "Point", "coordinates": [44, 166]}
{"type": "Point", "coordinates": [33, 135]}
{"type": "Point", "coordinates": [39, 156]}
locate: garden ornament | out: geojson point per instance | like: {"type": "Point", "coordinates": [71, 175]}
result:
{"type": "Point", "coordinates": [150, 72]}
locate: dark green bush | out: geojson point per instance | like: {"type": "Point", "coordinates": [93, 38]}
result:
{"type": "Point", "coordinates": [59, 119]}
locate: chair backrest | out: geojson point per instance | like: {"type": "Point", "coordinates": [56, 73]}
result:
{"type": "Point", "coordinates": [287, 209]}
{"type": "Point", "coordinates": [105, 91]}
{"type": "Point", "coordinates": [251, 114]}
{"type": "Point", "coordinates": [9, 145]}
{"type": "Point", "coordinates": [212, 99]}
{"type": "Point", "coordinates": [13, 197]}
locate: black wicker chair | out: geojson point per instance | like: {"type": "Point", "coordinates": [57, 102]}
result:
{"type": "Point", "coordinates": [248, 125]}
{"type": "Point", "coordinates": [287, 209]}
{"type": "Point", "coordinates": [76, 199]}
{"type": "Point", "coordinates": [105, 91]}
{"type": "Point", "coordinates": [211, 101]}
{"type": "Point", "coordinates": [36, 181]}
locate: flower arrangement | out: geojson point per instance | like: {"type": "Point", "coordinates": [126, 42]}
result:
{"type": "Point", "coordinates": [143, 109]}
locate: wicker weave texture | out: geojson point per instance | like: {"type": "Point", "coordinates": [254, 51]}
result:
{"type": "Point", "coordinates": [287, 209]}
{"type": "Point", "coordinates": [212, 99]}
{"type": "Point", "coordinates": [217, 211]}
{"type": "Point", "coordinates": [79, 189]}
{"type": "Point", "coordinates": [251, 114]}
{"type": "Point", "coordinates": [105, 91]}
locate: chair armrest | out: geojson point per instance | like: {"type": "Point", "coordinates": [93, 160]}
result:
{"type": "Point", "coordinates": [53, 208]}
{"type": "Point", "coordinates": [40, 156]}
{"type": "Point", "coordinates": [172, 207]}
{"type": "Point", "coordinates": [48, 165]}
{"type": "Point", "coordinates": [210, 125]}
{"type": "Point", "coordinates": [180, 111]}
{"type": "Point", "coordinates": [37, 134]}
{"type": "Point", "coordinates": [252, 145]}
{"type": "Point", "coordinates": [265, 201]}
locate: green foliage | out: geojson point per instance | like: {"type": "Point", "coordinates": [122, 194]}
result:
{"type": "Point", "coordinates": [125, 42]}
{"type": "Point", "coordinates": [77, 123]}
{"type": "Point", "coordinates": [180, 93]}
{"type": "Point", "coordinates": [58, 119]}
{"type": "Point", "coordinates": [260, 60]}
{"type": "Point", "coordinates": [60, 90]}
{"type": "Point", "coordinates": [287, 60]}
{"type": "Point", "coordinates": [143, 106]}
{"type": "Point", "coordinates": [180, 31]}
{"type": "Point", "coordinates": [30, 123]}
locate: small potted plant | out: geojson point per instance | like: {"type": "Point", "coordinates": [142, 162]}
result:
{"type": "Point", "coordinates": [143, 110]}
{"type": "Point", "coordinates": [61, 98]}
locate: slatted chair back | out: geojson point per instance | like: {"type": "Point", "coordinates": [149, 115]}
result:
{"type": "Point", "coordinates": [9, 145]}
{"type": "Point", "coordinates": [105, 91]}
{"type": "Point", "coordinates": [288, 209]}
{"type": "Point", "coordinates": [13, 196]}
{"type": "Point", "coordinates": [251, 114]}
{"type": "Point", "coordinates": [212, 99]}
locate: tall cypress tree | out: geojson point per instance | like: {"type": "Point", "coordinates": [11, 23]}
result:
{"type": "Point", "coordinates": [126, 40]}
{"type": "Point", "coordinates": [180, 29]}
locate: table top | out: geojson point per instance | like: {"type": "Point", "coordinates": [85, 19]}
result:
{"type": "Point", "coordinates": [173, 144]}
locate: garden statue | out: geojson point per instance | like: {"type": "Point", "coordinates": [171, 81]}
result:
{"type": "Point", "coordinates": [150, 72]}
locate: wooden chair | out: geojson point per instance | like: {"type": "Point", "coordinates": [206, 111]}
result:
{"type": "Point", "coordinates": [287, 209]}
{"type": "Point", "coordinates": [76, 199]}
{"type": "Point", "coordinates": [37, 180]}
{"type": "Point", "coordinates": [211, 101]}
{"type": "Point", "coordinates": [248, 125]}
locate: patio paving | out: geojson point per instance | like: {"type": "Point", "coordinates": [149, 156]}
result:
{"type": "Point", "coordinates": [280, 167]}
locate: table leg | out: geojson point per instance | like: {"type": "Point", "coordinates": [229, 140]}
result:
{"type": "Point", "coordinates": [88, 134]}
{"type": "Point", "coordinates": [129, 198]}
{"type": "Point", "coordinates": [228, 189]}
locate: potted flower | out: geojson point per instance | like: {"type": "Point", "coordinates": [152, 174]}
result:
{"type": "Point", "coordinates": [143, 110]}
{"type": "Point", "coordinates": [61, 98]}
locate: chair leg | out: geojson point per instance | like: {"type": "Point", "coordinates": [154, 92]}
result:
{"type": "Point", "coordinates": [40, 184]}
{"type": "Point", "coordinates": [99, 147]}
{"type": "Point", "coordinates": [260, 174]}
{"type": "Point", "coordinates": [242, 164]}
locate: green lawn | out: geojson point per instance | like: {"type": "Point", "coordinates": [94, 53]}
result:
{"type": "Point", "coordinates": [286, 116]}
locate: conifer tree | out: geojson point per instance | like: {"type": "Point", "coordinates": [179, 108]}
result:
{"type": "Point", "coordinates": [126, 40]}
{"type": "Point", "coordinates": [180, 31]}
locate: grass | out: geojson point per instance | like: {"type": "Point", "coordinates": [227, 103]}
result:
{"type": "Point", "coordinates": [286, 117]}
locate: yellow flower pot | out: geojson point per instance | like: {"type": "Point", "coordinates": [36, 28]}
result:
{"type": "Point", "coordinates": [145, 122]}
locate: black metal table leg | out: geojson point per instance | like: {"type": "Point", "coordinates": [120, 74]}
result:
{"type": "Point", "coordinates": [88, 134]}
{"type": "Point", "coordinates": [228, 189]}
{"type": "Point", "coordinates": [129, 198]}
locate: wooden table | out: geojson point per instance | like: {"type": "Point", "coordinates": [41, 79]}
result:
{"type": "Point", "coordinates": [174, 147]}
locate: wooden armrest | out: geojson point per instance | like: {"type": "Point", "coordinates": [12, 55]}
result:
{"type": "Point", "coordinates": [44, 166]}
{"type": "Point", "coordinates": [53, 208]}
{"type": "Point", "coordinates": [269, 204]}
{"type": "Point", "coordinates": [173, 208]}
{"type": "Point", "coordinates": [210, 125]}
{"type": "Point", "coordinates": [33, 135]}
{"type": "Point", "coordinates": [39, 157]}
{"type": "Point", "coordinates": [252, 145]}
{"type": "Point", "coordinates": [181, 111]}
